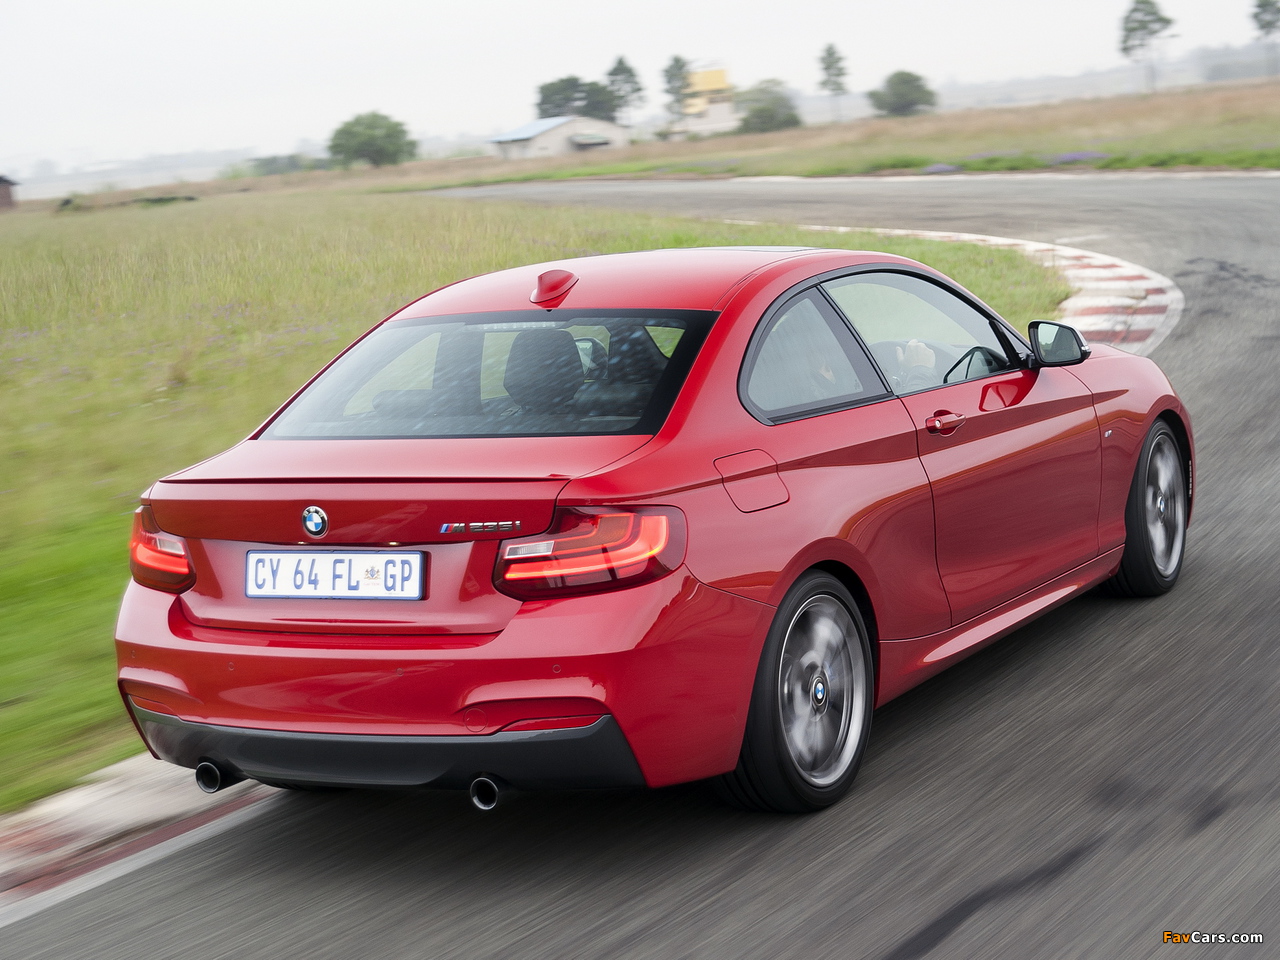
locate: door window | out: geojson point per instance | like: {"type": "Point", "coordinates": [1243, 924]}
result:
{"type": "Point", "coordinates": [921, 335]}
{"type": "Point", "coordinates": [805, 361]}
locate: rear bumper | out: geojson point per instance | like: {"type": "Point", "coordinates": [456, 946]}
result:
{"type": "Point", "coordinates": [580, 757]}
{"type": "Point", "coordinates": [671, 662]}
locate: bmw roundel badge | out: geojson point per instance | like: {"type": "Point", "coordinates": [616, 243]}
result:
{"type": "Point", "coordinates": [314, 521]}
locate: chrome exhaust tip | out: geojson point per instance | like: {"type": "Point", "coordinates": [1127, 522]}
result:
{"type": "Point", "coordinates": [211, 778]}
{"type": "Point", "coordinates": [484, 794]}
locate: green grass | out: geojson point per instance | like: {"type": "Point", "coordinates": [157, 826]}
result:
{"type": "Point", "coordinates": [1244, 159]}
{"type": "Point", "coordinates": [136, 340]}
{"type": "Point", "coordinates": [818, 166]}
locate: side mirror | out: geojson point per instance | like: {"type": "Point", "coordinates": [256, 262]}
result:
{"type": "Point", "coordinates": [1056, 344]}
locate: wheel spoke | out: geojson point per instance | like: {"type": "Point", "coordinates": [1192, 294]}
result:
{"type": "Point", "coordinates": [800, 736]}
{"type": "Point", "coordinates": [1163, 471]}
{"type": "Point", "coordinates": [828, 639]}
{"type": "Point", "coordinates": [1159, 541]}
{"type": "Point", "coordinates": [822, 740]}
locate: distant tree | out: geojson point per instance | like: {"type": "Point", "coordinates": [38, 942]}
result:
{"type": "Point", "coordinates": [767, 107]}
{"type": "Point", "coordinates": [1266, 15]}
{"type": "Point", "coordinates": [560, 98]}
{"type": "Point", "coordinates": [833, 74]}
{"type": "Point", "coordinates": [903, 94]}
{"type": "Point", "coordinates": [599, 102]}
{"type": "Point", "coordinates": [571, 97]}
{"type": "Point", "coordinates": [1139, 28]}
{"type": "Point", "coordinates": [373, 137]}
{"type": "Point", "coordinates": [675, 84]}
{"type": "Point", "coordinates": [624, 85]}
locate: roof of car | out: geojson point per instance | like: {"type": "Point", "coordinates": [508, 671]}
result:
{"type": "Point", "coordinates": [682, 278]}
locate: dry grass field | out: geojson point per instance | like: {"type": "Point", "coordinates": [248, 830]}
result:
{"type": "Point", "coordinates": [1234, 125]}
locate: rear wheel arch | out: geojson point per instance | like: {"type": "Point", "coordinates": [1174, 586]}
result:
{"type": "Point", "coordinates": [843, 561]}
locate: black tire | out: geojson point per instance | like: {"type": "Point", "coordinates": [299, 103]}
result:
{"type": "Point", "coordinates": [1155, 519]}
{"type": "Point", "coordinates": [810, 711]}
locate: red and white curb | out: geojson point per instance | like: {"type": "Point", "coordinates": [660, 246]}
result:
{"type": "Point", "coordinates": [120, 819]}
{"type": "Point", "coordinates": [1113, 301]}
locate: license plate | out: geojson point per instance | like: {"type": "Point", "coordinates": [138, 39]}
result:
{"type": "Point", "coordinates": [333, 574]}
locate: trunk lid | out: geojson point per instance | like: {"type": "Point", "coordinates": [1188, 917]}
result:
{"type": "Point", "coordinates": [451, 458]}
{"type": "Point", "coordinates": [452, 499]}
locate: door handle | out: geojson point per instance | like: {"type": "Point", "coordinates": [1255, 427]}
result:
{"type": "Point", "coordinates": [944, 422]}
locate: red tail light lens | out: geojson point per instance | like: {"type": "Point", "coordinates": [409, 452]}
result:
{"type": "Point", "coordinates": [592, 549]}
{"type": "Point", "coordinates": [158, 559]}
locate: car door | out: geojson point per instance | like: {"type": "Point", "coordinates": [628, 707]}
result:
{"type": "Point", "coordinates": [835, 460]}
{"type": "Point", "coordinates": [1012, 454]}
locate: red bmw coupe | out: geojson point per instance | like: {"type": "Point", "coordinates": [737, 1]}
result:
{"type": "Point", "coordinates": [637, 520]}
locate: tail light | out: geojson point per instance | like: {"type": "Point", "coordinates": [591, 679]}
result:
{"type": "Point", "coordinates": [158, 559]}
{"type": "Point", "coordinates": [592, 549]}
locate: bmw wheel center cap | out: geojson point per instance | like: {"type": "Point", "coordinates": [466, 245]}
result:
{"type": "Point", "coordinates": [818, 692]}
{"type": "Point", "coordinates": [314, 521]}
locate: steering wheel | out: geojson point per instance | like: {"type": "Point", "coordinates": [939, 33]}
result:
{"type": "Point", "coordinates": [995, 362]}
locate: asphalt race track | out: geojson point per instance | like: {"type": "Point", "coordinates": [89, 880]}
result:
{"type": "Point", "coordinates": [1103, 775]}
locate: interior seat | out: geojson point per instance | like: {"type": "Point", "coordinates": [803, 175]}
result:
{"type": "Point", "coordinates": [544, 370]}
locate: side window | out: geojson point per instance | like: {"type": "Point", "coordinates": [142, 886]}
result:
{"type": "Point", "coordinates": [921, 335]}
{"type": "Point", "coordinates": [805, 361]}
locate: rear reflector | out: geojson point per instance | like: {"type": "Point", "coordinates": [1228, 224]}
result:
{"type": "Point", "coordinates": [591, 549]}
{"type": "Point", "coordinates": [553, 723]}
{"type": "Point", "coordinates": [158, 559]}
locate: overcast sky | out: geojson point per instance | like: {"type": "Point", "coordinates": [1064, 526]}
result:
{"type": "Point", "coordinates": [88, 81]}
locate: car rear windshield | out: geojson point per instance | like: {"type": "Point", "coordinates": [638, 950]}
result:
{"type": "Point", "coordinates": [519, 373]}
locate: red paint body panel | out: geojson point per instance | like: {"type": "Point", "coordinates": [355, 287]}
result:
{"type": "Point", "coordinates": [359, 513]}
{"type": "Point", "coordinates": [677, 650]}
{"type": "Point", "coordinates": [462, 458]}
{"type": "Point", "coordinates": [1015, 486]}
{"type": "Point", "coordinates": [865, 504]}
{"type": "Point", "coordinates": [907, 663]}
{"type": "Point", "coordinates": [679, 279]}
{"type": "Point", "coordinates": [751, 480]}
{"type": "Point", "coordinates": [953, 539]}
{"type": "Point", "coordinates": [1129, 393]}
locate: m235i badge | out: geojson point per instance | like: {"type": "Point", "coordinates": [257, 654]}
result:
{"type": "Point", "coordinates": [492, 526]}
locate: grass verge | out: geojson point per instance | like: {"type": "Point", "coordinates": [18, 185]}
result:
{"type": "Point", "coordinates": [136, 340]}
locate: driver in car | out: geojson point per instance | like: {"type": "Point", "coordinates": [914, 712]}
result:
{"type": "Point", "coordinates": [916, 367]}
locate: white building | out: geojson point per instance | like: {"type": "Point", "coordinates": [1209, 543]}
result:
{"type": "Point", "coordinates": [557, 136]}
{"type": "Point", "coordinates": [708, 106]}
